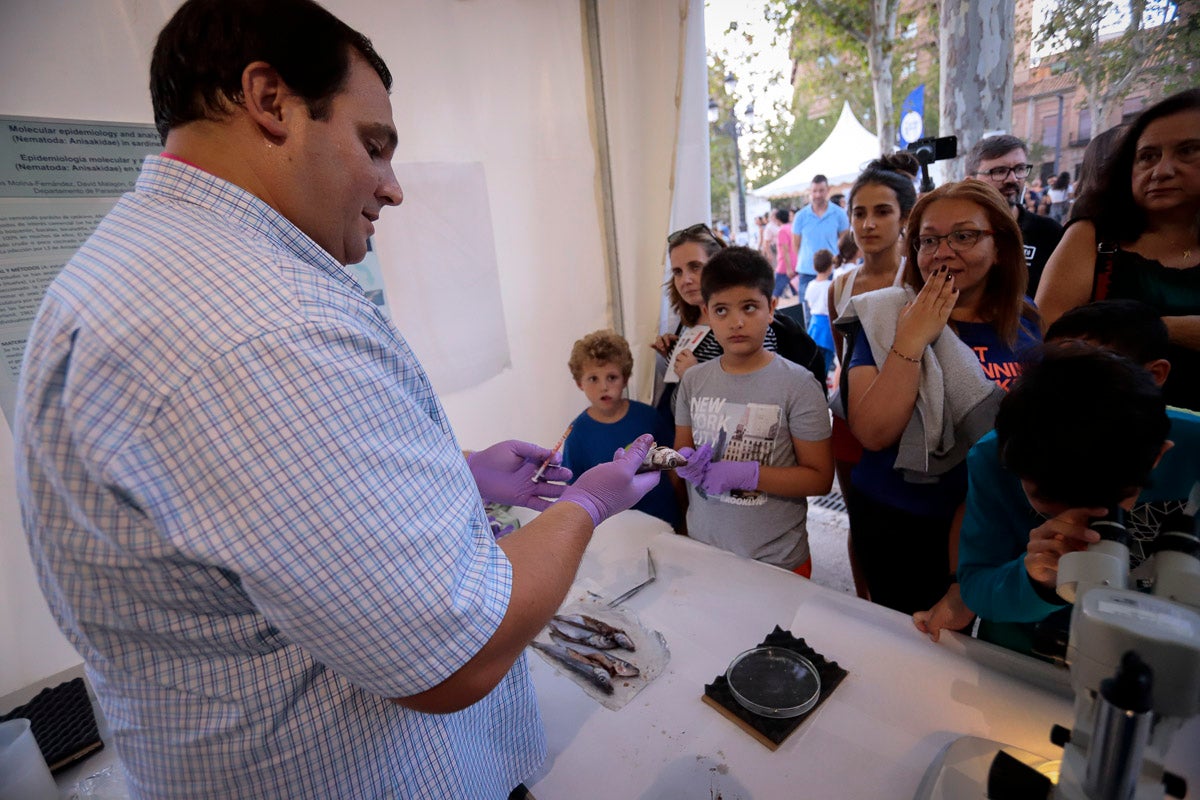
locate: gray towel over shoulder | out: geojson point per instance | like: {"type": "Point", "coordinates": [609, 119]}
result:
{"type": "Point", "coordinates": [956, 403]}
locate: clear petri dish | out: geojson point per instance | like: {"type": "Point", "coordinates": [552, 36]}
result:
{"type": "Point", "coordinates": [774, 682]}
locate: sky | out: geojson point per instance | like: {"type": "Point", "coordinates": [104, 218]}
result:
{"type": "Point", "coordinates": [763, 68]}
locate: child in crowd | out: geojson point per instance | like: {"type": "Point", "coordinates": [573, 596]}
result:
{"type": "Point", "coordinates": [1085, 428]}
{"type": "Point", "coordinates": [848, 255]}
{"type": "Point", "coordinates": [759, 425]}
{"type": "Point", "coordinates": [816, 294]}
{"type": "Point", "coordinates": [601, 363]}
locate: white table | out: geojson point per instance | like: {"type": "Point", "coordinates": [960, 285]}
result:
{"type": "Point", "coordinates": [905, 698]}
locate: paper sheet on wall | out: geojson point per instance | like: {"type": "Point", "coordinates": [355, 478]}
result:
{"type": "Point", "coordinates": [58, 178]}
{"type": "Point", "coordinates": [438, 258]}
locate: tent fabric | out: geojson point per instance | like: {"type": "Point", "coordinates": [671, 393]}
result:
{"type": "Point", "coordinates": [841, 157]}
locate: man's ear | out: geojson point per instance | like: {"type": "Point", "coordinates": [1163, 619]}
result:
{"type": "Point", "coordinates": [263, 95]}
{"type": "Point", "coordinates": [1159, 369]}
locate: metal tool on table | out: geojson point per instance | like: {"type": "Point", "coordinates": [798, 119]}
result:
{"type": "Point", "coordinates": [653, 574]}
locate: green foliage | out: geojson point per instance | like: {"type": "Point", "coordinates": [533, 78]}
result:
{"type": "Point", "coordinates": [829, 44]}
{"type": "Point", "coordinates": [1087, 38]}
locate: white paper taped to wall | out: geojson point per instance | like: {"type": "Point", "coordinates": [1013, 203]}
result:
{"type": "Point", "coordinates": [437, 254]}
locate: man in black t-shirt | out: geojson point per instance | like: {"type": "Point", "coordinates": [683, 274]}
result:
{"type": "Point", "coordinates": [1002, 161]}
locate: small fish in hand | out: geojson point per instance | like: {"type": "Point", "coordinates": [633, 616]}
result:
{"type": "Point", "coordinates": [661, 457]}
{"type": "Point", "coordinates": [597, 626]}
{"type": "Point", "coordinates": [575, 662]}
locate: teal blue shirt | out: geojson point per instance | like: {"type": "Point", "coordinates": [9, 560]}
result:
{"type": "Point", "coordinates": [998, 519]}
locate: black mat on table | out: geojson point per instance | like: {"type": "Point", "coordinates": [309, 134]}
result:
{"type": "Point", "coordinates": [62, 721]}
{"type": "Point", "coordinates": [779, 729]}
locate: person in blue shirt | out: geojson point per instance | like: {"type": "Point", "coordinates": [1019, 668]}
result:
{"type": "Point", "coordinates": [815, 227]}
{"type": "Point", "coordinates": [1083, 429]}
{"type": "Point", "coordinates": [949, 343]}
{"type": "Point", "coordinates": [601, 364]}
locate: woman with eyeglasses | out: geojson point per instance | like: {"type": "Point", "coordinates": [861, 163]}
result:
{"type": "Point", "coordinates": [689, 250]}
{"type": "Point", "coordinates": [922, 376]}
{"type": "Point", "coordinates": [1135, 234]}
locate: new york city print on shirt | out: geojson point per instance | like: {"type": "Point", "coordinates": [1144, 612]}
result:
{"type": "Point", "coordinates": [737, 432]}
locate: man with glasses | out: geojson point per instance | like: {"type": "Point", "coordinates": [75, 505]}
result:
{"type": "Point", "coordinates": [1003, 161]}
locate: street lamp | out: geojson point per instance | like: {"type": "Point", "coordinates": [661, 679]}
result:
{"type": "Point", "coordinates": [731, 128]}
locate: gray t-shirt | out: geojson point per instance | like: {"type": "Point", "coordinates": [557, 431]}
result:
{"type": "Point", "coordinates": [752, 417]}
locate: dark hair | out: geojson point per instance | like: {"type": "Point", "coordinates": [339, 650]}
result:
{"type": "Point", "coordinates": [1096, 157]}
{"type": "Point", "coordinates": [198, 60]}
{"type": "Point", "coordinates": [1083, 424]}
{"type": "Point", "coordinates": [712, 244]}
{"type": "Point", "coordinates": [737, 266]}
{"type": "Point", "coordinates": [1109, 202]}
{"type": "Point", "coordinates": [1003, 303]}
{"type": "Point", "coordinates": [1129, 327]}
{"type": "Point", "coordinates": [823, 260]}
{"type": "Point", "coordinates": [993, 147]}
{"type": "Point", "coordinates": [847, 248]}
{"type": "Point", "coordinates": [602, 347]}
{"type": "Point", "coordinates": [819, 178]}
{"type": "Point", "coordinates": [1063, 181]}
{"type": "Point", "coordinates": [896, 172]}
{"type": "Point", "coordinates": [783, 215]}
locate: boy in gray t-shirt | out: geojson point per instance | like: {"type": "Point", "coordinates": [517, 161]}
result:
{"type": "Point", "coordinates": [759, 425]}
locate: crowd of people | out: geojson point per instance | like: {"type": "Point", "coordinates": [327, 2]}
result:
{"type": "Point", "coordinates": [249, 514]}
{"type": "Point", "coordinates": [932, 311]}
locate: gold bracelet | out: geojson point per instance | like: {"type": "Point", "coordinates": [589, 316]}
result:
{"type": "Point", "coordinates": [909, 359]}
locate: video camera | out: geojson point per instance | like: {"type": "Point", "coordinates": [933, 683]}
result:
{"type": "Point", "coordinates": [929, 150]}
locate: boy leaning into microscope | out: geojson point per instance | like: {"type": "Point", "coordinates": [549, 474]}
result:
{"type": "Point", "coordinates": [1085, 428]}
{"type": "Point", "coordinates": [759, 423]}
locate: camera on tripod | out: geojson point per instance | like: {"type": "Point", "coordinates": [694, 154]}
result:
{"type": "Point", "coordinates": [929, 150]}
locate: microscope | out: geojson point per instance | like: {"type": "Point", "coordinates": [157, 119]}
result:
{"type": "Point", "coordinates": [1134, 661]}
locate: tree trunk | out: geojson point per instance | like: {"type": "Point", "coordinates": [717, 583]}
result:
{"type": "Point", "coordinates": [879, 58]}
{"type": "Point", "coordinates": [976, 72]}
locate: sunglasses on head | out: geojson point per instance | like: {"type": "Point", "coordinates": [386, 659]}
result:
{"type": "Point", "coordinates": [685, 234]}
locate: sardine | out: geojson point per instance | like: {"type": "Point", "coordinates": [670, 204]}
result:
{"type": "Point", "coordinates": [575, 662]}
{"type": "Point", "coordinates": [660, 457]}
{"type": "Point", "coordinates": [573, 633]}
{"type": "Point", "coordinates": [597, 626]}
{"type": "Point", "coordinates": [617, 667]}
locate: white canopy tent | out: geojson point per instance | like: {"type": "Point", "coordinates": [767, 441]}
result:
{"type": "Point", "coordinates": [840, 158]}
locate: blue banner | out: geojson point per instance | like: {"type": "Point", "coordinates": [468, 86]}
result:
{"type": "Point", "coordinates": [912, 118]}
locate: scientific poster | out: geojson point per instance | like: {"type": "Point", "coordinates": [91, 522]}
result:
{"type": "Point", "coordinates": [58, 178]}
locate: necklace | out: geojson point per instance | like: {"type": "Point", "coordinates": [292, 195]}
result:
{"type": "Point", "coordinates": [1187, 251]}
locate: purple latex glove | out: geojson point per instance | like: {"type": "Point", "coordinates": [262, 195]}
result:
{"type": "Point", "coordinates": [610, 488]}
{"type": "Point", "coordinates": [503, 474]}
{"type": "Point", "coordinates": [724, 476]}
{"type": "Point", "coordinates": [697, 463]}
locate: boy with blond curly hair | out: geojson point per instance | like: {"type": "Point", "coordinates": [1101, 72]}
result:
{"type": "Point", "coordinates": [601, 364]}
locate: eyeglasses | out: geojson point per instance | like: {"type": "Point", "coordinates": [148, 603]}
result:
{"type": "Point", "coordinates": [1000, 173]}
{"type": "Point", "coordinates": [959, 241]}
{"type": "Point", "coordinates": [681, 236]}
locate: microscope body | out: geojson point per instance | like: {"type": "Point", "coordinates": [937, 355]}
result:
{"type": "Point", "coordinates": [1135, 665]}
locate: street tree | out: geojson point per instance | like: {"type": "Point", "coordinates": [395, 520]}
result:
{"type": "Point", "coordinates": [976, 88]}
{"type": "Point", "coordinates": [1115, 45]}
{"type": "Point", "coordinates": [834, 35]}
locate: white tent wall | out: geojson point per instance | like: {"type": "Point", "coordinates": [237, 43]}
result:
{"type": "Point", "coordinates": [505, 83]}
